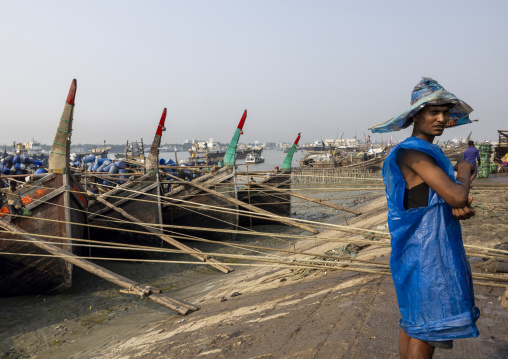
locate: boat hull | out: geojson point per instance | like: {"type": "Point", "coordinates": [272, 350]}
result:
{"type": "Point", "coordinates": [139, 201]}
{"type": "Point", "coordinates": [278, 203]}
{"type": "Point", "coordinates": [191, 207]}
{"type": "Point", "coordinates": [24, 272]}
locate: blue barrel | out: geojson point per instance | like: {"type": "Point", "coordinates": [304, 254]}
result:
{"type": "Point", "coordinates": [162, 162]}
{"type": "Point", "coordinates": [95, 166]}
{"type": "Point", "coordinates": [89, 159]}
{"type": "Point", "coordinates": [105, 168]}
{"type": "Point", "coordinates": [100, 161]}
{"type": "Point", "coordinates": [103, 165]}
{"type": "Point", "coordinates": [8, 159]}
{"type": "Point", "coordinates": [17, 165]}
{"type": "Point", "coordinates": [15, 159]}
{"type": "Point", "coordinates": [40, 171]}
{"type": "Point", "coordinates": [6, 171]}
{"type": "Point", "coordinates": [113, 168]}
{"type": "Point", "coordinates": [23, 158]}
{"type": "Point", "coordinates": [120, 164]}
{"type": "Point", "coordinates": [30, 160]}
{"type": "Point", "coordinates": [38, 163]}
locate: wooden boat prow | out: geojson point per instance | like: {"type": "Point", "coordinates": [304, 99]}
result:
{"type": "Point", "coordinates": [57, 204]}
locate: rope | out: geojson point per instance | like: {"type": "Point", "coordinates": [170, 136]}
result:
{"type": "Point", "coordinates": [326, 226]}
{"type": "Point", "coordinates": [294, 264]}
{"type": "Point", "coordinates": [322, 225]}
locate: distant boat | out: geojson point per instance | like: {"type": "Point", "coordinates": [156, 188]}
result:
{"type": "Point", "coordinates": [254, 158]}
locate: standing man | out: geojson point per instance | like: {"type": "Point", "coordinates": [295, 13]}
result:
{"type": "Point", "coordinates": [471, 155]}
{"type": "Point", "coordinates": [425, 201]}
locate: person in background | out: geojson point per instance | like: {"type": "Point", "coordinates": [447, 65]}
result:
{"type": "Point", "coordinates": [471, 155]}
{"type": "Point", "coordinates": [429, 266]}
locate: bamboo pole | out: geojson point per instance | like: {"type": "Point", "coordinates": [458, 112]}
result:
{"type": "Point", "coordinates": [193, 252]}
{"type": "Point", "coordinates": [324, 203]}
{"type": "Point", "coordinates": [178, 306]}
{"type": "Point", "coordinates": [255, 209]}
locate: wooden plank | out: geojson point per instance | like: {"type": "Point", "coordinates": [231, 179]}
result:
{"type": "Point", "coordinates": [193, 252]}
{"type": "Point", "coordinates": [124, 186]}
{"type": "Point", "coordinates": [119, 202]}
{"type": "Point", "coordinates": [214, 176]}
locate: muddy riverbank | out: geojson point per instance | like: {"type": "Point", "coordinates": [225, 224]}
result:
{"type": "Point", "coordinates": [257, 312]}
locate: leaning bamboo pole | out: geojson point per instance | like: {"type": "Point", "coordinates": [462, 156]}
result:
{"type": "Point", "coordinates": [193, 252]}
{"type": "Point", "coordinates": [148, 292]}
{"type": "Point", "coordinates": [256, 209]}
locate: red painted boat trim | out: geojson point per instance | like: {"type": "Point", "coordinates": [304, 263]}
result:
{"type": "Point", "coordinates": [72, 92]}
{"type": "Point", "coordinates": [161, 123]}
{"type": "Point", "coordinates": [297, 139]}
{"type": "Point", "coordinates": [242, 121]}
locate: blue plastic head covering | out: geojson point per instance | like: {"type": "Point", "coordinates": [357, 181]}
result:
{"type": "Point", "coordinates": [428, 92]}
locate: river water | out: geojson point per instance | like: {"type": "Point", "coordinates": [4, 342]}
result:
{"type": "Point", "coordinates": [273, 158]}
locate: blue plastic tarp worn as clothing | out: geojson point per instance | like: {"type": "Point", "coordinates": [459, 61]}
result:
{"type": "Point", "coordinates": [428, 262]}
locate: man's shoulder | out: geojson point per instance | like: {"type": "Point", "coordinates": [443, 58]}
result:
{"type": "Point", "coordinates": [411, 155]}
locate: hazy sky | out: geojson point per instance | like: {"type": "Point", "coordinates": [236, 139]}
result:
{"type": "Point", "coordinates": [319, 67]}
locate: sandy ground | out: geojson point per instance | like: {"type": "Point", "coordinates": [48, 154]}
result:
{"type": "Point", "coordinates": [279, 313]}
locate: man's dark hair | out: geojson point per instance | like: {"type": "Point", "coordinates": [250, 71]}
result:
{"type": "Point", "coordinates": [471, 143]}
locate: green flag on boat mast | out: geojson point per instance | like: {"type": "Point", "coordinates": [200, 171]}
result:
{"type": "Point", "coordinates": [230, 156]}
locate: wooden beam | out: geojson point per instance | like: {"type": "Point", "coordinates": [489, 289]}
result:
{"type": "Point", "coordinates": [134, 194]}
{"type": "Point", "coordinates": [173, 304]}
{"type": "Point", "coordinates": [193, 252]}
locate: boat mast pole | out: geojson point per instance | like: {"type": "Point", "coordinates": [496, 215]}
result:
{"type": "Point", "coordinates": [286, 165]}
{"type": "Point", "coordinates": [230, 156]}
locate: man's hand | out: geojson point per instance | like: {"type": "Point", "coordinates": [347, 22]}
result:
{"type": "Point", "coordinates": [464, 212]}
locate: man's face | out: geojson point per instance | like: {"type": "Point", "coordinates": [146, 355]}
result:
{"type": "Point", "coordinates": [431, 120]}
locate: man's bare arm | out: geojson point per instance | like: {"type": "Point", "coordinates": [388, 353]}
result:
{"type": "Point", "coordinates": [418, 167]}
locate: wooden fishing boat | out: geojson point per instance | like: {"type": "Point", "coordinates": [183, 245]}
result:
{"type": "Point", "coordinates": [131, 213]}
{"type": "Point", "coordinates": [138, 197]}
{"type": "Point", "coordinates": [259, 195]}
{"type": "Point", "coordinates": [374, 164]}
{"type": "Point", "coordinates": [57, 205]}
{"type": "Point", "coordinates": [191, 206]}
